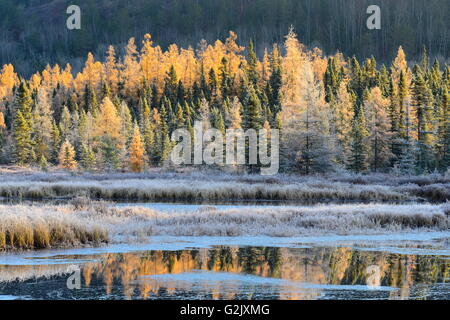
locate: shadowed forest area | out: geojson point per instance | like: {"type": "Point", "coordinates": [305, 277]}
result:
{"type": "Point", "coordinates": [33, 33]}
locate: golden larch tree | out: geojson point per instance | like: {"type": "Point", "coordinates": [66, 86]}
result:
{"type": "Point", "coordinates": [67, 156]}
{"type": "Point", "coordinates": [292, 67]}
{"type": "Point", "coordinates": [136, 151]}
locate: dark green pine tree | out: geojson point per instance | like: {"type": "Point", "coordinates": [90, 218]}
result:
{"type": "Point", "coordinates": [87, 158]}
{"type": "Point", "coordinates": [162, 140]}
{"type": "Point", "coordinates": [384, 82]}
{"type": "Point", "coordinates": [56, 142]}
{"type": "Point", "coordinates": [358, 159]}
{"type": "Point", "coordinates": [106, 91]}
{"type": "Point", "coordinates": [252, 62]}
{"type": "Point", "coordinates": [22, 140]}
{"type": "Point", "coordinates": [370, 73]}
{"type": "Point", "coordinates": [404, 122]}
{"type": "Point", "coordinates": [171, 85]}
{"type": "Point", "coordinates": [205, 91]}
{"type": "Point", "coordinates": [217, 121]}
{"type": "Point", "coordinates": [394, 117]}
{"type": "Point", "coordinates": [90, 100]}
{"type": "Point", "coordinates": [196, 94]}
{"type": "Point", "coordinates": [179, 117]}
{"type": "Point", "coordinates": [226, 81]}
{"type": "Point", "coordinates": [214, 98]}
{"type": "Point", "coordinates": [424, 60]}
{"type": "Point", "coordinates": [252, 116]}
{"type": "Point", "coordinates": [275, 82]}
{"type": "Point", "coordinates": [443, 132]}
{"type": "Point", "coordinates": [24, 101]}
{"type": "Point", "coordinates": [331, 80]}
{"type": "Point", "coordinates": [188, 112]}
{"type": "Point", "coordinates": [356, 83]}
{"type": "Point", "coordinates": [181, 93]}
{"type": "Point", "coordinates": [22, 126]}
{"type": "Point", "coordinates": [423, 102]}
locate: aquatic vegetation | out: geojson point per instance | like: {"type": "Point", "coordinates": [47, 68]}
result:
{"type": "Point", "coordinates": [36, 227]}
{"type": "Point", "coordinates": [161, 185]}
{"type": "Point", "coordinates": [93, 222]}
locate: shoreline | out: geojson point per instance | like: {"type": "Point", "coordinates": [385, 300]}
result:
{"type": "Point", "coordinates": [86, 222]}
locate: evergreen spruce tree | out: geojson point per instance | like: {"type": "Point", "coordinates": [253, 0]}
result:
{"type": "Point", "coordinates": [171, 85]}
{"type": "Point", "coordinates": [359, 134]}
{"type": "Point", "coordinates": [443, 132]}
{"type": "Point", "coordinates": [56, 142]}
{"type": "Point", "coordinates": [22, 140]}
{"type": "Point", "coordinates": [275, 81]}
{"type": "Point", "coordinates": [422, 99]}
{"type": "Point", "coordinates": [217, 121]}
{"type": "Point", "coordinates": [87, 158]}
{"type": "Point", "coordinates": [252, 110]}
{"type": "Point", "coordinates": [252, 69]}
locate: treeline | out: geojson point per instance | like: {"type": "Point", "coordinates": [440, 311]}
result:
{"type": "Point", "coordinates": [334, 113]}
{"type": "Point", "coordinates": [33, 32]}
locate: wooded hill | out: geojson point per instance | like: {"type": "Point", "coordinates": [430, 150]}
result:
{"type": "Point", "coordinates": [33, 33]}
{"type": "Point", "coordinates": [334, 112]}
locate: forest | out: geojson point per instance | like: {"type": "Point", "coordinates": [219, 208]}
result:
{"type": "Point", "coordinates": [334, 112]}
{"type": "Point", "coordinates": [33, 32]}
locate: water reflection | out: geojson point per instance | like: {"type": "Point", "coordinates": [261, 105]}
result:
{"type": "Point", "coordinates": [238, 273]}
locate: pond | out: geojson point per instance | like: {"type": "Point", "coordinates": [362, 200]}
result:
{"type": "Point", "coordinates": [173, 268]}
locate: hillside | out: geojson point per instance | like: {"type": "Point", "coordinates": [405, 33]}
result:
{"type": "Point", "coordinates": [33, 32]}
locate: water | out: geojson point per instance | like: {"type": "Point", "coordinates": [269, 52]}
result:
{"type": "Point", "coordinates": [185, 207]}
{"type": "Point", "coordinates": [413, 265]}
{"type": "Point", "coordinates": [228, 272]}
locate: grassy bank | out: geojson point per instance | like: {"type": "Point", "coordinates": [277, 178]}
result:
{"type": "Point", "coordinates": [24, 227]}
{"type": "Point", "coordinates": [79, 223]}
{"type": "Point", "coordinates": [198, 186]}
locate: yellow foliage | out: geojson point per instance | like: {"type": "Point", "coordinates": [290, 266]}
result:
{"type": "Point", "coordinates": [2, 121]}
{"type": "Point", "coordinates": [136, 151]}
{"type": "Point", "coordinates": [8, 78]}
{"type": "Point", "coordinates": [67, 156]}
{"type": "Point", "coordinates": [108, 124]}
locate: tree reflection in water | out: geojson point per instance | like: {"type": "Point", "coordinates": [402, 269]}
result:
{"type": "Point", "coordinates": [135, 275]}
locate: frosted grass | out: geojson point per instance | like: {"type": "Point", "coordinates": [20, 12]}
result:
{"type": "Point", "coordinates": [86, 222]}
{"type": "Point", "coordinates": [160, 185]}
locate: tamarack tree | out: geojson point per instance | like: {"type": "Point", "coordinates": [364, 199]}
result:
{"type": "Point", "coordinates": [333, 112]}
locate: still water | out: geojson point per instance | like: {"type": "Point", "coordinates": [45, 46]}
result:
{"type": "Point", "coordinates": [229, 272]}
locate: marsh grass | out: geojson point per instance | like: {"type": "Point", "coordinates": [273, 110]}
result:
{"type": "Point", "coordinates": [189, 190]}
{"type": "Point", "coordinates": [158, 185]}
{"type": "Point", "coordinates": [32, 227]}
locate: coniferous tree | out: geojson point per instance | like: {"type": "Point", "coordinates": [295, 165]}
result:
{"type": "Point", "coordinates": [405, 110]}
{"type": "Point", "coordinates": [109, 140]}
{"type": "Point", "coordinates": [67, 156]}
{"type": "Point", "coordinates": [307, 133]}
{"type": "Point", "coordinates": [341, 122]}
{"type": "Point", "coordinates": [136, 151]}
{"type": "Point", "coordinates": [275, 81]}
{"type": "Point", "coordinates": [359, 134]}
{"type": "Point", "coordinates": [443, 132]}
{"type": "Point", "coordinates": [377, 121]}
{"type": "Point", "coordinates": [2, 130]}
{"type": "Point", "coordinates": [22, 140]}
{"type": "Point", "coordinates": [42, 125]}
{"type": "Point", "coordinates": [422, 99]}
{"type": "Point", "coordinates": [87, 158]}
{"type": "Point", "coordinates": [23, 126]}
{"type": "Point", "coordinates": [252, 70]}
